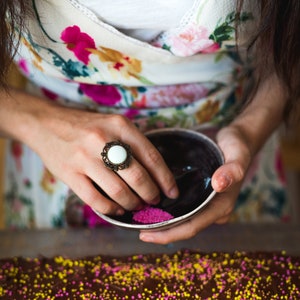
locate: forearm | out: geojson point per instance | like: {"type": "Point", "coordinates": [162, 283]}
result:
{"type": "Point", "coordinates": [263, 115]}
{"type": "Point", "coordinates": [19, 113]}
{"type": "Point", "coordinates": [30, 119]}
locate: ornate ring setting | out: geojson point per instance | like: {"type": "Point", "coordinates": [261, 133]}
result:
{"type": "Point", "coordinates": [116, 155]}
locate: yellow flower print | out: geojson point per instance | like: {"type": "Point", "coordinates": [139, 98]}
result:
{"type": "Point", "coordinates": [48, 182]}
{"type": "Point", "coordinates": [36, 57]}
{"type": "Point", "coordinates": [207, 111]}
{"type": "Point", "coordinates": [133, 91]}
{"type": "Point", "coordinates": [119, 62]}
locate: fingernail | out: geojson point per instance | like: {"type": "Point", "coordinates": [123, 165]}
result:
{"type": "Point", "coordinates": [140, 206]}
{"type": "Point", "coordinates": [174, 192]}
{"type": "Point", "coordinates": [156, 200]}
{"type": "Point", "coordinates": [120, 212]}
{"type": "Point", "coordinates": [146, 237]}
{"type": "Point", "coordinates": [224, 182]}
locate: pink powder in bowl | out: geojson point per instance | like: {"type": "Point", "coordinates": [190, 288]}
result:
{"type": "Point", "coordinates": [150, 215]}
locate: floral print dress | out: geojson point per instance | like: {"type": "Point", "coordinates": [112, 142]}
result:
{"type": "Point", "coordinates": [188, 76]}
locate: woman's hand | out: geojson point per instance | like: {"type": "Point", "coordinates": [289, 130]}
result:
{"type": "Point", "coordinates": [226, 181]}
{"type": "Point", "coordinates": [70, 142]}
{"type": "Point", "coordinates": [239, 142]}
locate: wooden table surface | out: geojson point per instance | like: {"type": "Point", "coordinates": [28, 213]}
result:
{"type": "Point", "coordinates": [114, 241]}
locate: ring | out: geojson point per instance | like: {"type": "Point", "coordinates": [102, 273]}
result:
{"type": "Point", "coordinates": [116, 155]}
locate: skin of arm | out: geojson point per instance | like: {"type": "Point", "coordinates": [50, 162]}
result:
{"type": "Point", "coordinates": [69, 141]}
{"type": "Point", "coordinates": [239, 141]}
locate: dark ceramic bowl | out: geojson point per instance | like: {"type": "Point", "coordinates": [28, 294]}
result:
{"type": "Point", "coordinates": [193, 158]}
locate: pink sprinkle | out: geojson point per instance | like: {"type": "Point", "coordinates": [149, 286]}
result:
{"type": "Point", "coordinates": [151, 215]}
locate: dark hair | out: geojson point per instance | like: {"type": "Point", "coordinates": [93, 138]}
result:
{"type": "Point", "coordinates": [277, 46]}
{"type": "Point", "coordinates": [12, 14]}
{"type": "Point", "coordinates": [276, 43]}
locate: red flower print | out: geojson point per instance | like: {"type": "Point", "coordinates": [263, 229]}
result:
{"type": "Point", "coordinates": [102, 94]}
{"type": "Point", "coordinates": [78, 42]}
{"type": "Point", "coordinates": [17, 152]}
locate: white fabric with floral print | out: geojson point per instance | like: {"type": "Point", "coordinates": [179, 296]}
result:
{"type": "Point", "coordinates": [187, 76]}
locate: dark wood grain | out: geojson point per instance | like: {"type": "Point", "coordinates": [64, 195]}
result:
{"type": "Point", "coordinates": [113, 241]}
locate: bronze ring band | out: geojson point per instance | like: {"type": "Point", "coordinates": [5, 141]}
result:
{"type": "Point", "coordinates": [116, 155]}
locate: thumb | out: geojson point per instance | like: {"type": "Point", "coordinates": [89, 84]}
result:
{"type": "Point", "coordinates": [228, 174]}
{"type": "Point", "coordinates": [237, 158]}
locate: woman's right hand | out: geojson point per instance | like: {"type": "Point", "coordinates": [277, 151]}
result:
{"type": "Point", "coordinates": [70, 142]}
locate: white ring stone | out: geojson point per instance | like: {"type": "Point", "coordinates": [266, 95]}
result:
{"type": "Point", "coordinates": [117, 154]}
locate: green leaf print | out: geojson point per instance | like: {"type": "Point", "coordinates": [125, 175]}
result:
{"type": "Point", "coordinates": [225, 31]}
{"type": "Point", "coordinates": [166, 47]}
{"type": "Point", "coordinates": [178, 119]}
{"type": "Point", "coordinates": [73, 69]}
{"type": "Point", "coordinates": [25, 200]}
{"type": "Point", "coordinates": [59, 220]}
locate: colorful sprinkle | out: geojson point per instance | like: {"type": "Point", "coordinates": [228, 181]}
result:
{"type": "Point", "coordinates": [151, 215]}
{"type": "Point", "coordinates": [185, 274]}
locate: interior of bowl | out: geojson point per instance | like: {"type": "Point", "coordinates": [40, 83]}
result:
{"type": "Point", "coordinates": [193, 158]}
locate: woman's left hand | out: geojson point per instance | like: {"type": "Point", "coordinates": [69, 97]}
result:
{"type": "Point", "coordinates": [226, 181]}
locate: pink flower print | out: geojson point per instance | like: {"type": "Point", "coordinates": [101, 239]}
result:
{"type": "Point", "coordinates": [27, 183]}
{"type": "Point", "coordinates": [22, 63]}
{"type": "Point", "coordinates": [160, 124]}
{"type": "Point", "coordinates": [102, 94]}
{"type": "Point", "coordinates": [193, 39]}
{"type": "Point", "coordinates": [78, 42]}
{"type": "Point", "coordinates": [279, 166]}
{"type": "Point", "coordinates": [131, 113]}
{"type": "Point", "coordinates": [49, 94]}
{"type": "Point", "coordinates": [173, 95]}
{"type": "Point", "coordinates": [92, 219]}
{"type": "Point", "coordinates": [212, 48]}
{"type": "Point", "coordinates": [17, 206]}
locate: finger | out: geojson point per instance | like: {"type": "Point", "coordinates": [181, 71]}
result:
{"type": "Point", "coordinates": [153, 162]}
{"type": "Point", "coordinates": [223, 220]}
{"type": "Point", "coordinates": [85, 190]}
{"type": "Point", "coordinates": [114, 187]}
{"type": "Point", "coordinates": [140, 181]}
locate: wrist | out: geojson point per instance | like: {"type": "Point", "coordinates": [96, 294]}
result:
{"type": "Point", "coordinates": [263, 115]}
